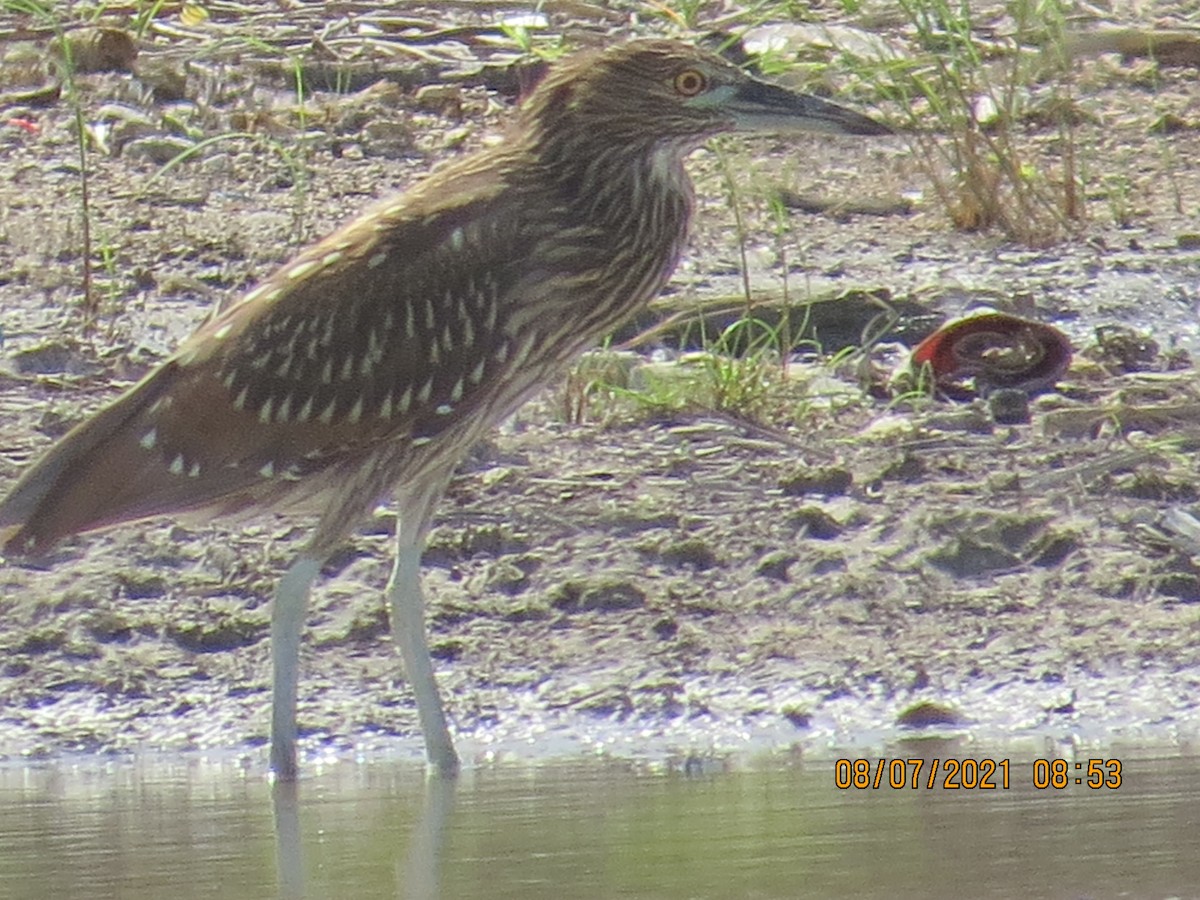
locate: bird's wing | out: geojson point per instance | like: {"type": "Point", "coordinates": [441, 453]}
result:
{"type": "Point", "coordinates": [387, 330]}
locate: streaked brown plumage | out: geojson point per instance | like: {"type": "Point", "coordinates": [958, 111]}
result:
{"type": "Point", "coordinates": [373, 360]}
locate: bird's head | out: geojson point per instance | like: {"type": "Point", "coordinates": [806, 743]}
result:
{"type": "Point", "coordinates": [672, 91]}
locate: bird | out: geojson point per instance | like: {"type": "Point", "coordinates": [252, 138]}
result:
{"type": "Point", "coordinates": [371, 362]}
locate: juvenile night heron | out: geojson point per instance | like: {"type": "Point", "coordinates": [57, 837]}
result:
{"type": "Point", "coordinates": [374, 360]}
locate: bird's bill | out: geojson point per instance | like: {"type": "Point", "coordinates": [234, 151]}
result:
{"type": "Point", "coordinates": [758, 106]}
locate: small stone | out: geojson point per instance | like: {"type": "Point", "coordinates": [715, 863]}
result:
{"type": "Point", "coordinates": [1182, 586]}
{"type": "Point", "coordinates": [907, 468]}
{"type": "Point", "coordinates": [37, 642]}
{"type": "Point", "coordinates": [158, 150]}
{"type": "Point", "coordinates": [692, 552]}
{"type": "Point", "coordinates": [106, 627]}
{"type": "Point", "coordinates": [1009, 407]}
{"type": "Point", "coordinates": [828, 480]}
{"type": "Point", "coordinates": [597, 595]}
{"type": "Point", "coordinates": [440, 98]}
{"type": "Point", "coordinates": [218, 631]}
{"type": "Point", "coordinates": [50, 358]}
{"type": "Point", "coordinates": [388, 139]}
{"type": "Point", "coordinates": [1054, 549]}
{"type": "Point", "coordinates": [665, 629]}
{"type": "Point", "coordinates": [800, 718]}
{"type": "Point", "coordinates": [506, 577]}
{"type": "Point", "coordinates": [447, 649]}
{"type": "Point", "coordinates": [967, 557]}
{"type": "Point", "coordinates": [142, 585]}
{"type": "Point", "coordinates": [775, 565]}
{"type": "Point", "coordinates": [927, 715]}
{"type": "Point", "coordinates": [98, 50]}
{"type": "Point", "coordinates": [814, 522]}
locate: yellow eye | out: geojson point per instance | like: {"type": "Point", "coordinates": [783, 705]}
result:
{"type": "Point", "coordinates": [690, 82]}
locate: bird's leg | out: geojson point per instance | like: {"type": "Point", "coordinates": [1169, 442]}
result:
{"type": "Point", "coordinates": [407, 604]}
{"type": "Point", "coordinates": [408, 631]}
{"type": "Point", "coordinates": [287, 626]}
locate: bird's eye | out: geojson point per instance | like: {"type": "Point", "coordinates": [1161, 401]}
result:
{"type": "Point", "coordinates": [690, 82]}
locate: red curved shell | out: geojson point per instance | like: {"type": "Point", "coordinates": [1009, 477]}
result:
{"type": "Point", "coordinates": [981, 353]}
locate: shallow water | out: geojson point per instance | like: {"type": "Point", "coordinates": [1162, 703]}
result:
{"type": "Point", "coordinates": [195, 827]}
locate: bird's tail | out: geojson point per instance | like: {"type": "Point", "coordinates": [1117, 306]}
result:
{"type": "Point", "coordinates": [72, 488]}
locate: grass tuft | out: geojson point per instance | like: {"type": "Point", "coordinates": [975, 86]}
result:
{"type": "Point", "coordinates": [966, 105]}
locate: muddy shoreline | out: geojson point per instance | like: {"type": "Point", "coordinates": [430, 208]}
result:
{"type": "Point", "coordinates": [644, 582]}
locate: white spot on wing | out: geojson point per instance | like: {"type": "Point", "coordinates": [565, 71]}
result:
{"type": "Point", "coordinates": [301, 269]}
{"type": "Point", "coordinates": [468, 338]}
{"type": "Point", "coordinates": [149, 439]}
{"type": "Point", "coordinates": [523, 350]}
{"type": "Point", "coordinates": [267, 471]}
{"type": "Point", "coordinates": [377, 260]}
{"type": "Point", "coordinates": [176, 467]}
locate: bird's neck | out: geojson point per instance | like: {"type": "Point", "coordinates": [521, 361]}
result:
{"type": "Point", "coordinates": [624, 188]}
{"type": "Point", "coordinates": [614, 219]}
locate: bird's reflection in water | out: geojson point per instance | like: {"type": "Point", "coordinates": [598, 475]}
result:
{"type": "Point", "coordinates": [289, 850]}
{"type": "Point", "coordinates": [418, 872]}
{"type": "Point", "coordinates": [419, 878]}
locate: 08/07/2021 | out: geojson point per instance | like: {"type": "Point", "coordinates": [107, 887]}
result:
{"type": "Point", "coordinates": [984, 774]}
